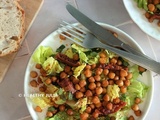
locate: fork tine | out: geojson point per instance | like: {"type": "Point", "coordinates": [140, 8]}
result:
{"type": "Point", "coordinates": [71, 29]}
{"type": "Point", "coordinates": [73, 35]}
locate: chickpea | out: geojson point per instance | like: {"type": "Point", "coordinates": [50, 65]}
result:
{"type": "Point", "coordinates": [42, 89]}
{"type": "Point", "coordinates": [116, 77]}
{"type": "Point", "coordinates": [109, 106]}
{"type": "Point", "coordinates": [88, 109]}
{"type": "Point", "coordinates": [88, 73]}
{"type": "Point", "coordinates": [93, 66]}
{"type": "Point", "coordinates": [99, 90]}
{"type": "Point", "coordinates": [131, 118]}
{"type": "Point", "coordinates": [137, 100]}
{"type": "Point", "coordinates": [88, 67]}
{"type": "Point", "coordinates": [67, 69]}
{"type": "Point", "coordinates": [102, 60]}
{"type": "Point", "coordinates": [92, 106]}
{"type": "Point", "coordinates": [105, 71]}
{"type": "Point", "coordinates": [38, 109]}
{"type": "Point", "coordinates": [76, 57]}
{"type": "Point", "coordinates": [79, 94]}
{"type": "Point", "coordinates": [62, 37]}
{"type": "Point", "coordinates": [155, 2]}
{"type": "Point", "coordinates": [97, 77]}
{"type": "Point", "coordinates": [106, 98]}
{"type": "Point", "coordinates": [95, 100]}
{"type": "Point", "coordinates": [129, 76]}
{"type": "Point", "coordinates": [84, 116]}
{"type": "Point", "coordinates": [83, 89]}
{"type": "Point", "coordinates": [119, 83]}
{"type": "Point", "coordinates": [138, 113]}
{"type": "Point", "coordinates": [75, 80]}
{"type": "Point", "coordinates": [48, 81]}
{"type": "Point", "coordinates": [113, 60]}
{"type": "Point", "coordinates": [111, 75]}
{"type": "Point", "coordinates": [61, 107]}
{"type": "Point", "coordinates": [127, 83]}
{"type": "Point", "coordinates": [54, 78]}
{"type": "Point", "coordinates": [77, 87]}
{"type": "Point", "coordinates": [141, 69]}
{"type": "Point", "coordinates": [92, 86]}
{"type": "Point", "coordinates": [33, 83]}
{"type": "Point", "coordinates": [49, 114]}
{"type": "Point", "coordinates": [91, 79]}
{"type": "Point", "coordinates": [38, 66]}
{"type": "Point", "coordinates": [99, 71]}
{"type": "Point", "coordinates": [119, 62]}
{"type": "Point", "coordinates": [104, 91]}
{"type": "Point", "coordinates": [102, 54]}
{"type": "Point", "coordinates": [63, 75]}
{"type": "Point", "coordinates": [33, 74]}
{"type": "Point", "coordinates": [82, 83]}
{"type": "Point", "coordinates": [43, 72]}
{"type": "Point", "coordinates": [135, 107]}
{"type": "Point", "coordinates": [151, 7]}
{"type": "Point", "coordinates": [116, 100]}
{"type": "Point", "coordinates": [70, 112]}
{"type": "Point", "coordinates": [123, 89]}
{"type": "Point", "coordinates": [123, 73]}
{"type": "Point", "coordinates": [111, 82]}
{"type": "Point", "coordinates": [105, 83]}
{"type": "Point", "coordinates": [39, 80]}
{"type": "Point", "coordinates": [95, 114]}
{"type": "Point", "coordinates": [98, 105]}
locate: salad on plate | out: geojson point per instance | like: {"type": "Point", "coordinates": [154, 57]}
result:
{"type": "Point", "coordinates": [76, 83]}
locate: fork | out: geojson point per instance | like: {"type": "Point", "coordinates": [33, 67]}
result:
{"type": "Point", "coordinates": [87, 40]}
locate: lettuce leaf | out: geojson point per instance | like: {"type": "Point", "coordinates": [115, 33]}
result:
{"type": "Point", "coordinates": [51, 65]}
{"type": "Point", "coordinates": [113, 91]}
{"type": "Point", "coordinates": [77, 71]}
{"type": "Point", "coordinates": [41, 54]}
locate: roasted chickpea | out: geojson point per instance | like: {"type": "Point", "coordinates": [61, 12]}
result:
{"type": "Point", "coordinates": [113, 60]}
{"type": "Point", "coordinates": [77, 87]}
{"type": "Point", "coordinates": [76, 57]}
{"type": "Point", "coordinates": [123, 73]}
{"type": "Point", "coordinates": [102, 60]}
{"type": "Point", "coordinates": [91, 79]}
{"type": "Point", "coordinates": [151, 7]}
{"type": "Point", "coordinates": [131, 118]}
{"type": "Point", "coordinates": [98, 84]}
{"type": "Point", "coordinates": [83, 89]}
{"type": "Point", "coordinates": [116, 77]}
{"type": "Point", "coordinates": [138, 113]}
{"type": "Point", "coordinates": [92, 86]}
{"type": "Point", "coordinates": [88, 109]}
{"type": "Point", "coordinates": [33, 74]}
{"type": "Point", "coordinates": [67, 69]}
{"type": "Point", "coordinates": [84, 116]}
{"type": "Point", "coordinates": [49, 114]}
{"type": "Point", "coordinates": [116, 100]}
{"type": "Point", "coordinates": [99, 90]}
{"type": "Point", "coordinates": [102, 54]}
{"type": "Point", "coordinates": [129, 76]}
{"type": "Point", "coordinates": [119, 62]}
{"type": "Point", "coordinates": [97, 77]}
{"type": "Point", "coordinates": [79, 94]}
{"type": "Point", "coordinates": [33, 83]}
{"type": "Point", "coordinates": [95, 100]}
{"type": "Point", "coordinates": [48, 81]}
{"type": "Point", "coordinates": [88, 73]}
{"type": "Point", "coordinates": [95, 114]}
{"type": "Point", "coordinates": [38, 109]}
{"type": "Point", "coordinates": [109, 106]}
{"type": "Point", "coordinates": [135, 107]}
{"type": "Point", "coordinates": [123, 89]}
{"type": "Point", "coordinates": [53, 78]}
{"type": "Point", "coordinates": [61, 107]}
{"type": "Point", "coordinates": [106, 98]}
{"type": "Point", "coordinates": [99, 71]}
{"type": "Point", "coordinates": [137, 100]}
{"type": "Point", "coordinates": [63, 75]}
{"type": "Point", "coordinates": [70, 112]}
{"type": "Point", "coordinates": [127, 83]}
{"type": "Point", "coordinates": [82, 83]}
{"type": "Point", "coordinates": [93, 66]}
{"type": "Point", "coordinates": [111, 82]}
{"type": "Point", "coordinates": [111, 75]}
{"type": "Point", "coordinates": [42, 89]}
{"type": "Point", "coordinates": [88, 67]}
{"type": "Point", "coordinates": [105, 83]}
{"type": "Point", "coordinates": [38, 66]}
{"type": "Point", "coordinates": [119, 83]}
{"type": "Point", "coordinates": [98, 105]}
{"type": "Point", "coordinates": [105, 71]}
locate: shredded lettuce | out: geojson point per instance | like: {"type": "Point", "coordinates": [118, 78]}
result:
{"type": "Point", "coordinates": [77, 71]}
{"type": "Point", "coordinates": [51, 65]}
{"type": "Point", "coordinates": [41, 54]}
{"type": "Point", "coordinates": [113, 91]}
{"type": "Point", "coordinates": [69, 53]}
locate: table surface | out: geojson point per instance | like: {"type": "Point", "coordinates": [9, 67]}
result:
{"type": "Point", "coordinates": [13, 107]}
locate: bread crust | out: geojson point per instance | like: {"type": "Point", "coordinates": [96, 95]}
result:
{"type": "Point", "coordinates": [15, 44]}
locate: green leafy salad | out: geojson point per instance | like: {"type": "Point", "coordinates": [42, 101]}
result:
{"type": "Point", "coordinates": [76, 83]}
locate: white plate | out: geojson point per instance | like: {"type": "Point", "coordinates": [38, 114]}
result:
{"type": "Point", "coordinates": [139, 18]}
{"type": "Point", "coordinates": [54, 42]}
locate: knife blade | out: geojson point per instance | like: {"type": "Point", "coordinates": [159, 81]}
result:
{"type": "Point", "coordinates": [101, 33]}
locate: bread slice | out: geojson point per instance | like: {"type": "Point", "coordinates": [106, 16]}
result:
{"type": "Point", "coordinates": [12, 19]}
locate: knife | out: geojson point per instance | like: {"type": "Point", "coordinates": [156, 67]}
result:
{"type": "Point", "coordinates": [101, 33]}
